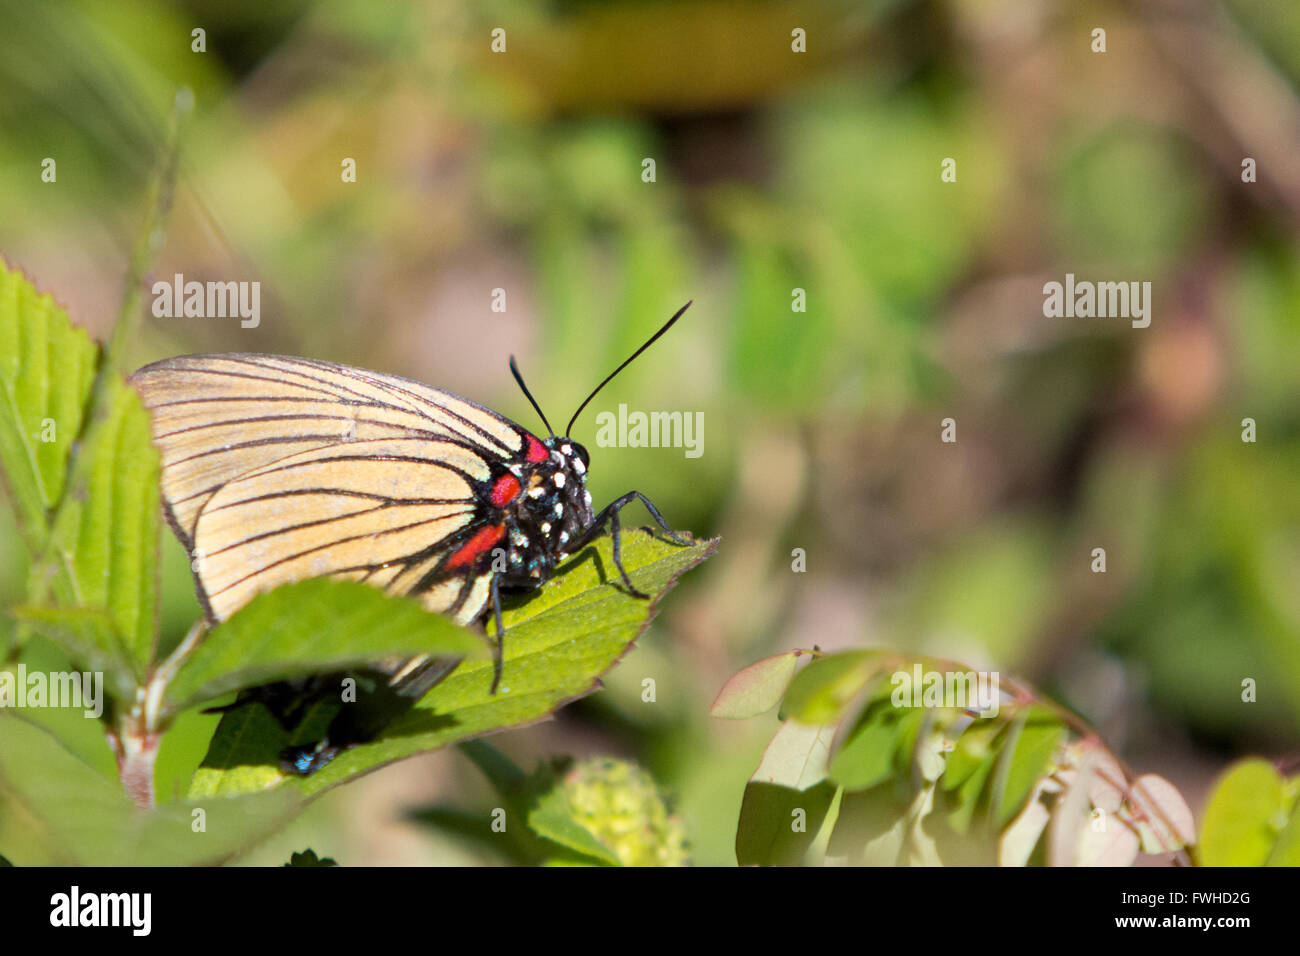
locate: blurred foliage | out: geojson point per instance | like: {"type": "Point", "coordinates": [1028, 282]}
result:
{"type": "Point", "coordinates": [776, 171]}
{"type": "Point", "coordinates": [882, 760]}
{"type": "Point", "coordinates": [594, 812]}
{"type": "Point", "coordinates": [1252, 818]}
{"type": "Point", "coordinates": [61, 811]}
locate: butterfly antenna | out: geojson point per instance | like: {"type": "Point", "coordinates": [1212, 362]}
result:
{"type": "Point", "coordinates": [514, 370]}
{"type": "Point", "coordinates": [649, 342]}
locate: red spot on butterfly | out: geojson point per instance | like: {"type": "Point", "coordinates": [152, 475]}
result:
{"type": "Point", "coordinates": [507, 487]}
{"type": "Point", "coordinates": [536, 450]}
{"type": "Point", "coordinates": [483, 539]}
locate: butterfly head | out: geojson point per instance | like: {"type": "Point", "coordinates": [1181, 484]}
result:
{"type": "Point", "coordinates": [565, 511]}
{"type": "Point", "coordinates": [556, 513]}
{"type": "Point", "coordinates": [553, 508]}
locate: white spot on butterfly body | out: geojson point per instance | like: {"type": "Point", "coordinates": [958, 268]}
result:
{"type": "Point", "coordinates": [579, 467]}
{"type": "Point", "coordinates": [559, 509]}
{"type": "Point", "coordinates": [559, 479]}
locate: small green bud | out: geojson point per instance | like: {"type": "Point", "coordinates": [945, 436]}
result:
{"type": "Point", "coordinates": [619, 804]}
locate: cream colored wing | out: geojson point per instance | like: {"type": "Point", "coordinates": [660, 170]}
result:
{"type": "Point", "coordinates": [277, 469]}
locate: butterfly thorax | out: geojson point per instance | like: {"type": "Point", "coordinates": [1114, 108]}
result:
{"type": "Point", "coordinates": [551, 509]}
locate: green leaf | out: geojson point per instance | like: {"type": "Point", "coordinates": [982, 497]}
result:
{"type": "Point", "coordinates": [551, 818]}
{"type": "Point", "coordinates": [593, 812]}
{"type": "Point", "coordinates": [1034, 737]}
{"type": "Point", "coordinates": [969, 767]}
{"type": "Point", "coordinates": [1251, 807]}
{"type": "Point", "coordinates": [872, 827]}
{"type": "Point", "coordinates": [105, 539]}
{"type": "Point", "coordinates": [89, 820]}
{"type": "Point", "coordinates": [47, 369]}
{"type": "Point", "coordinates": [309, 627]}
{"type": "Point", "coordinates": [1286, 852]}
{"type": "Point", "coordinates": [756, 689]}
{"type": "Point", "coordinates": [614, 803]}
{"type": "Point", "coordinates": [867, 757]}
{"type": "Point", "coordinates": [973, 749]}
{"type": "Point", "coordinates": [88, 637]}
{"type": "Point", "coordinates": [558, 642]}
{"type": "Point", "coordinates": [502, 772]}
{"type": "Point", "coordinates": [517, 845]}
{"type": "Point", "coordinates": [778, 825]}
{"type": "Point", "coordinates": [547, 836]}
{"type": "Point", "coordinates": [822, 691]}
{"type": "Point", "coordinates": [787, 798]}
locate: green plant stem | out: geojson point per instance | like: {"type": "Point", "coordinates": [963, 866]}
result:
{"type": "Point", "coordinates": [134, 740]}
{"type": "Point", "coordinates": [136, 749]}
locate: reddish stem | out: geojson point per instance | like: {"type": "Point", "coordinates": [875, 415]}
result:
{"type": "Point", "coordinates": [136, 753]}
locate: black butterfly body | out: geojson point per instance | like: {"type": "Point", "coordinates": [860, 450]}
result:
{"type": "Point", "coordinates": [277, 468]}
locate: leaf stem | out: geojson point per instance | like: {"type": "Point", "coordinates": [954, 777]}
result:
{"type": "Point", "coordinates": [136, 750]}
{"type": "Point", "coordinates": [152, 704]}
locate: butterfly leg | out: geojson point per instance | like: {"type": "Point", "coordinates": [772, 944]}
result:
{"type": "Point", "coordinates": [654, 513]}
{"type": "Point", "coordinates": [610, 514]}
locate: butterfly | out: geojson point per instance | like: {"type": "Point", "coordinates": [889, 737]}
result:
{"type": "Point", "coordinates": [276, 469]}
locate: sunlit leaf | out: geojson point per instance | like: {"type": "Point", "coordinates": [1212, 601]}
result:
{"type": "Point", "coordinates": [309, 627]}
{"type": "Point", "coordinates": [1250, 806]}
{"type": "Point", "coordinates": [1037, 733]}
{"type": "Point", "coordinates": [757, 688]}
{"type": "Point", "coordinates": [867, 757]}
{"type": "Point", "coordinates": [47, 367]}
{"type": "Point", "coordinates": [559, 640]}
{"type": "Point", "coordinates": [551, 817]}
{"type": "Point", "coordinates": [105, 540]}
{"type": "Point", "coordinates": [821, 691]}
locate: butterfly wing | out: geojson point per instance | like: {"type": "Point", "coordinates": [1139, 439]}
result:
{"type": "Point", "coordinates": [276, 469]}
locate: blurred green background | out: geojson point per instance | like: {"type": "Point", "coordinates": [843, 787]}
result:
{"type": "Point", "coordinates": [776, 171]}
